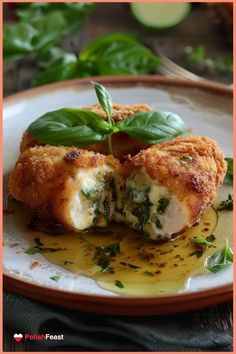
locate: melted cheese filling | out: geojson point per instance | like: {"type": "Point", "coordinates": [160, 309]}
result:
{"type": "Point", "coordinates": [151, 209]}
{"type": "Point", "coordinates": [93, 203]}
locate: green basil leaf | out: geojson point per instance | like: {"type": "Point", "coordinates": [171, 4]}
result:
{"type": "Point", "coordinates": [94, 50]}
{"type": "Point", "coordinates": [221, 259]}
{"type": "Point", "coordinates": [49, 57]}
{"type": "Point", "coordinates": [41, 26]}
{"type": "Point", "coordinates": [64, 68]}
{"type": "Point", "coordinates": [204, 242]}
{"type": "Point", "coordinates": [37, 35]}
{"type": "Point", "coordinates": [17, 40]}
{"type": "Point", "coordinates": [153, 127]}
{"type": "Point", "coordinates": [104, 98]}
{"type": "Point", "coordinates": [28, 10]}
{"type": "Point", "coordinates": [69, 127]}
{"type": "Point", "coordinates": [230, 171]}
{"type": "Point", "coordinates": [117, 54]}
{"type": "Point", "coordinates": [124, 58]}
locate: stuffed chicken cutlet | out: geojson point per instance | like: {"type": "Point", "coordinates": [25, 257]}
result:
{"type": "Point", "coordinates": [70, 186]}
{"type": "Point", "coordinates": [170, 185]}
{"type": "Point", "coordinates": [122, 143]}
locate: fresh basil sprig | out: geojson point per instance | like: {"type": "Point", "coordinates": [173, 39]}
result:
{"type": "Point", "coordinates": [221, 259]}
{"type": "Point", "coordinates": [230, 170]}
{"type": "Point", "coordinates": [81, 127]}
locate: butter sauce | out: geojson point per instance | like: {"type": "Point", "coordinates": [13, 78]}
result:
{"type": "Point", "coordinates": [142, 267]}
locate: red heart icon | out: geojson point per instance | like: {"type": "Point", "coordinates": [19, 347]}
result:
{"type": "Point", "coordinates": [18, 337]}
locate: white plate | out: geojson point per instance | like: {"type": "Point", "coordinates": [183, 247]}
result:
{"type": "Point", "coordinates": [206, 109]}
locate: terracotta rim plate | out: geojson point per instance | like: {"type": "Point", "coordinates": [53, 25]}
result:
{"type": "Point", "coordinates": [166, 89]}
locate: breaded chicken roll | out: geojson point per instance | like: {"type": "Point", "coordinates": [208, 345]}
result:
{"type": "Point", "coordinates": [170, 185]}
{"type": "Point", "coordinates": [69, 186]}
{"type": "Point", "coordinates": [122, 143]}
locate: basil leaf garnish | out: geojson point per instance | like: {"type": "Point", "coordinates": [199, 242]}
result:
{"type": "Point", "coordinates": [81, 127]}
{"type": "Point", "coordinates": [70, 127]}
{"type": "Point", "coordinates": [230, 170]}
{"type": "Point", "coordinates": [153, 127]}
{"type": "Point", "coordinates": [221, 259]}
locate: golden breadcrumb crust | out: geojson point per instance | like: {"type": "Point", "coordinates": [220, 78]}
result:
{"type": "Point", "coordinates": [191, 167]}
{"type": "Point", "coordinates": [122, 143]}
{"type": "Point", "coordinates": [41, 176]}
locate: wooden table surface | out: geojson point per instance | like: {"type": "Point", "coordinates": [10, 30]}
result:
{"type": "Point", "coordinates": [108, 18]}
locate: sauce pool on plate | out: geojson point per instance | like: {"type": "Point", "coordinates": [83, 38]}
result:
{"type": "Point", "coordinates": [122, 261]}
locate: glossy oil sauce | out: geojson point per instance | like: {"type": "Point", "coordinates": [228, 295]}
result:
{"type": "Point", "coordinates": [142, 267]}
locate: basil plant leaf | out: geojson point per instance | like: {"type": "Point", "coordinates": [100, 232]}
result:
{"type": "Point", "coordinates": [41, 26]}
{"type": "Point", "coordinates": [17, 40]}
{"type": "Point", "coordinates": [126, 58]}
{"type": "Point", "coordinates": [104, 98]}
{"type": "Point", "coordinates": [116, 54]}
{"type": "Point", "coordinates": [63, 68]}
{"type": "Point", "coordinates": [221, 259]}
{"type": "Point", "coordinates": [34, 36]}
{"type": "Point", "coordinates": [69, 127]}
{"type": "Point", "coordinates": [153, 127]}
{"type": "Point", "coordinates": [94, 50]}
{"type": "Point", "coordinates": [28, 10]}
{"type": "Point", "coordinates": [230, 171]}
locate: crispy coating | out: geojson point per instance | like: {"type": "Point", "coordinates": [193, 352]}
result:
{"type": "Point", "coordinates": [120, 112]}
{"type": "Point", "coordinates": [190, 167]}
{"type": "Point", "coordinates": [122, 143]}
{"type": "Point", "coordinates": [42, 175]}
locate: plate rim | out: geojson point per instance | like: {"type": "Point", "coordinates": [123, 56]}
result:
{"type": "Point", "coordinates": [124, 79]}
{"type": "Point", "coordinates": [123, 305]}
{"type": "Point", "coordinates": [129, 305]}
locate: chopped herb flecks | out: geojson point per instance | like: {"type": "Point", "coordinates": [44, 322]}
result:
{"type": "Point", "coordinates": [103, 254]}
{"type": "Point", "coordinates": [32, 250]}
{"type": "Point", "coordinates": [68, 262]}
{"type": "Point", "coordinates": [204, 242]}
{"type": "Point", "coordinates": [186, 158]}
{"type": "Point", "coordinates": [162, 205]}
{"type": "Point", "coordinates": [119, 284]}
{"type": "Point", "coordinates": [55, 278]}
{"type": "Point", "coordinates": [131, 266]}
{"type": "Point", "coordinates": [38, 248]}
{"type": "Point", "coordinates": [226, 204]}
{"type": "Point", "coordinates": [150, 274]}
{"type": "Point", "coordinates": [158, 224]}
{"type": "Point", "coordinates": [201, 244]}
{"type": "Point", "coordinates": [38, 241]}
{"type": "Point", "coordinates": [106, 205]}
